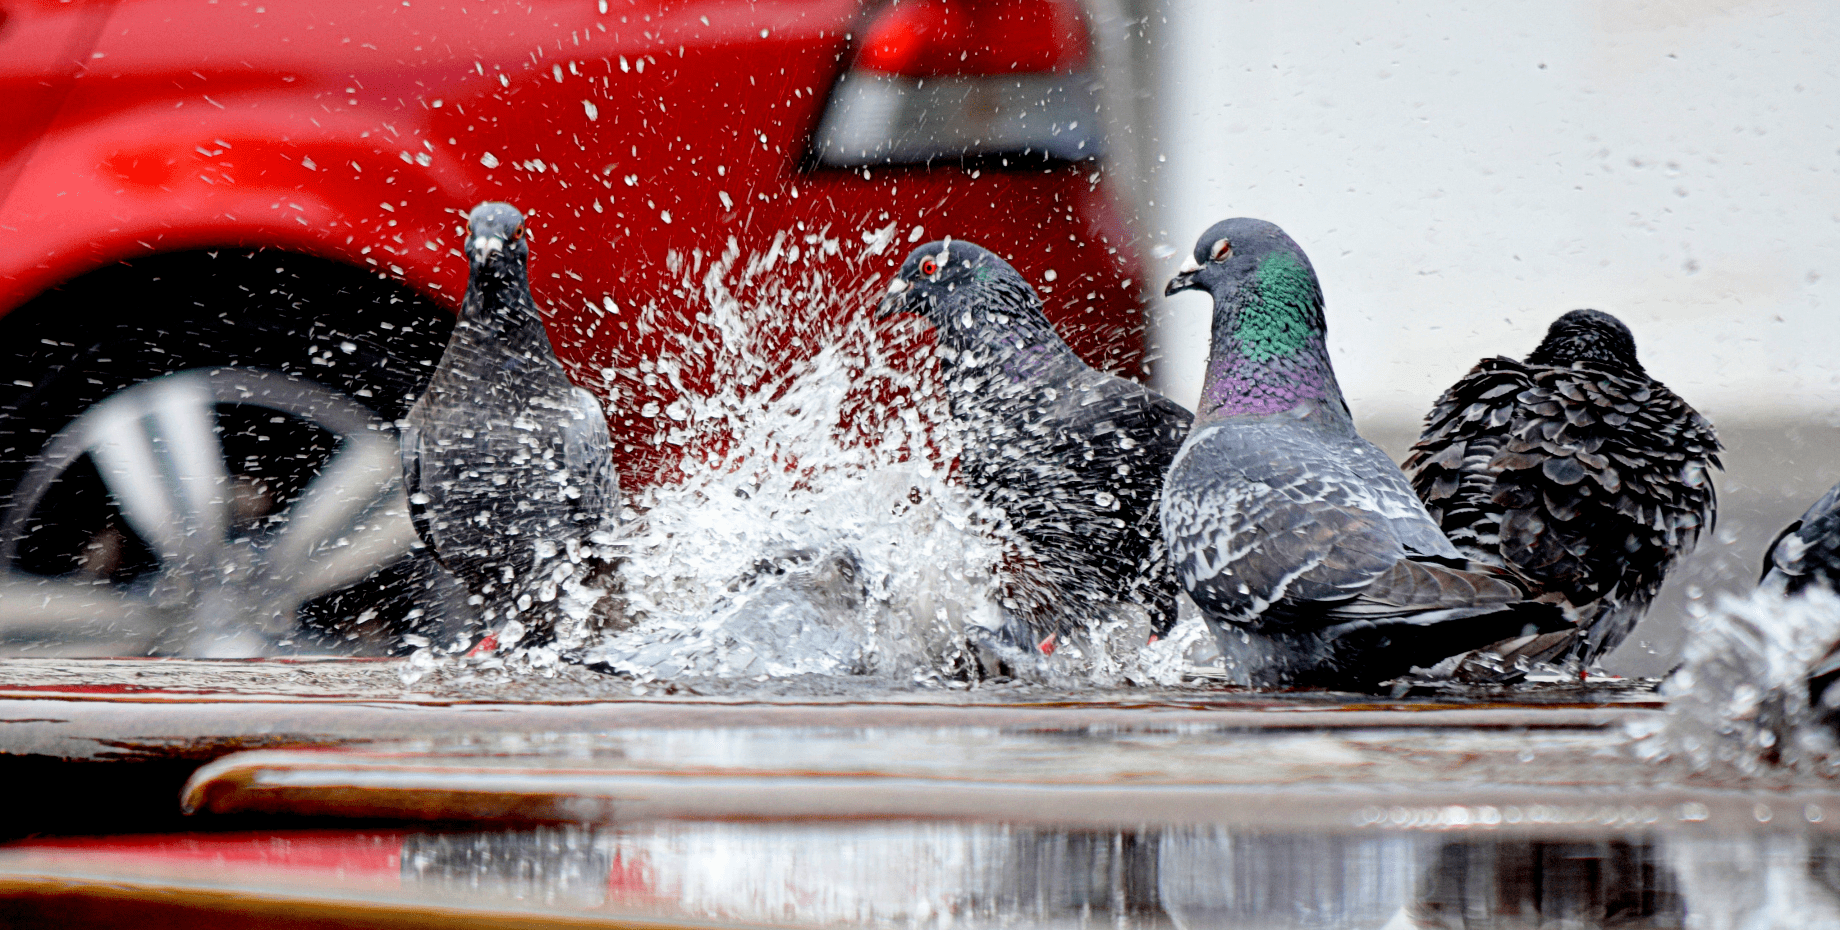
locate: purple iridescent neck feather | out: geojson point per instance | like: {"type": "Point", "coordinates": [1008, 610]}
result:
{"type": "Point", "coordinates": [1268, 355]}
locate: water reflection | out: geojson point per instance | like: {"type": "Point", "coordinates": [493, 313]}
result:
{"type": "Point", "coordinates": [869, 874]}
{"type": "Point", "coordinates": [890, 874]}
{"type": "Point", "coordinates": [1214, 877]}
{"type": "Point", "coordinates": [936, 874]}
{"type": "Point", "coordinates": [1608, 883]}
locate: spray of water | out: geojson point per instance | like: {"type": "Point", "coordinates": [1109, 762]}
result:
{"type": "Point", "coordinates": [1740, 699]}
{"type": "Point", "coordinates": [807, 520]}
{"type": "Point", "coordinates": [814, 525]}
{"type": "Point", "coordinates": [814, 528]}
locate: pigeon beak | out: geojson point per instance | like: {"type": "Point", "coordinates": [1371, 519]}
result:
{"type": "Point", "coordinates": [485, 247]}
{"type": "Point", "coordinates": [895, 301]}
{"type": "Point", "coordinates": [1185, 277]}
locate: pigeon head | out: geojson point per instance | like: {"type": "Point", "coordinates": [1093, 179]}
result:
{"type": "Point", "coordinates": [1587, 336]}
{"type": "Point", "coordinates": [1268, 354]}
{"type": "Point", "coordinates": [495, 232]}
{"type": "Point", "coordinates": [1236, 252]}
{"type": "Point", "coordinates": [952, 284]}
{"type": "Point", "coordinates": [498, 278]}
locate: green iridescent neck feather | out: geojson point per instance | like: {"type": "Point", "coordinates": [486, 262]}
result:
{"type": "Point", "coordinates": [1268, 352]}
{"type": "Point", "coordinates": [1284, 313]}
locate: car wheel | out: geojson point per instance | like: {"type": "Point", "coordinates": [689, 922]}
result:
{"type": "Point", "coordinates": [199, 460]}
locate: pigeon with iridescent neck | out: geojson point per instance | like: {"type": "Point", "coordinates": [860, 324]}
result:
{"type": "Point", "coordinates": [1302, 543]}
{"type": "Point", "coordinates": [508, 465]}
{"type": "Point", "coordinates": [1072, 458]}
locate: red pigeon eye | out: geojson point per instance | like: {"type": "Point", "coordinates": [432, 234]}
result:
{"type": "Point", "coordinates": [1222, 249]}
{"type": "Point", "coordinates": [929, 267]}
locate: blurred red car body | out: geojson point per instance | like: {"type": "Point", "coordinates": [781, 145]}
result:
{"type": "Point", "coordinates": [353, 130]}
{"type": "Point", "coordinates": [262, 199]}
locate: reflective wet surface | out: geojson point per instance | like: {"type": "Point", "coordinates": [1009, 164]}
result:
{"type": "Point", "coordinates": [896, 874]}
{"type": "Point", "coordinates": [1539, 807]}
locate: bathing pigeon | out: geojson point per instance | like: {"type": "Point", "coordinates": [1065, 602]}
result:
{"type": "Point", "coordinates": [802, 611]}
{"type": "Point", "coordinates": [1805, 555]}
{"type": "Point", "coordinates": [1073, 458]}
{"type": "Point", "coordinates": [1575, 471]}
{"type": "Point", "coordinates": [1807, 552]}
{"type": "Point", "coordinates": [508, 466]}
{"type": "Point", "coordinates": [1301, 542]}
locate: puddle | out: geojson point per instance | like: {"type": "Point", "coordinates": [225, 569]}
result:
{"type": "Point", "coordinates": [903, 874]}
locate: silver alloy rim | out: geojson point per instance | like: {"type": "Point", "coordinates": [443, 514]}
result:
{"type": "Point", "coordinates": [219, 592]}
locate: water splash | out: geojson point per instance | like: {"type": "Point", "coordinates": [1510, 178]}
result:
{"type": "Point", "coordinates": [806, 518]}
{"type": "Point", "coordinates": [1740, 698]}
{"type": "Point", "coordinates": [815, 526]}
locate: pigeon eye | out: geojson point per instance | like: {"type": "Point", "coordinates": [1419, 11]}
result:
{"type": "Point", "coordinates": [929, 267]}
{"type": "Point", "coordinates": [1222, 249]}
{"type": "Point", "coordinates": [518, 234]}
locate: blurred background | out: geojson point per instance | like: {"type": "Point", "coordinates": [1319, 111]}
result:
{"type": "Point", "coordinates": [1461, 174]}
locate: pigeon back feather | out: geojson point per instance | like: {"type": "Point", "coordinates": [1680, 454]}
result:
{"type": "Point", "coordinates": [1585, 478]}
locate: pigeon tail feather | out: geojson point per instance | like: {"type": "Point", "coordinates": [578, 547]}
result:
{"type": "Point", "coordinates": [1361, 654]}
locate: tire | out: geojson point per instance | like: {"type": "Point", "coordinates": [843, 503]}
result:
{"type": "Point", "coordinates": [175, 426]}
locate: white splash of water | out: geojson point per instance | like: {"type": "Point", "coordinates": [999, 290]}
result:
{"type": "Point", "coordinates": [813, 528]}
{"type": "Point", "coordinates": [1740, 697]}
{"type": "Point", "coordinates": [808, 521]}
{"type": "Point", "coordinates": [816, 527]}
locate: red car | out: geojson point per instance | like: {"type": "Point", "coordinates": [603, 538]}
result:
{"type": "Point", "coordinates": [258, 199]}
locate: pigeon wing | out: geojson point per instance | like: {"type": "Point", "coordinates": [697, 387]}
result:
{"type": "Point", "coordinates": [1381, 487]}
{"type": "Point", "coordinates": [1271, 523]}
{"type": "Point", "coordinates": [1807, 551]}
{"type": "Point", "coordinates": [1074, 460]}
{"type": "Point", "coordinates": [1449, 465]}
{"type": "Point", "coordinates": [1261, 524]}
{"type": "Point", "coordinates": [1134, 435]}
{"type": "Point", "coordinates": [411, 445]}
{"type": "Point", "coordinates": [588, 452]}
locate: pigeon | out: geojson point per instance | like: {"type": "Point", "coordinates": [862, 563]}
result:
{"type": "Point", "coordinates": [1583, 477]}
{"type": "Point", "coordinates": [803, 611]}
{"type": "Point", "coordinates": [1807, 551]}
{"type": "Point", "coordinates": [508, 466]}
{"type": "Point", "coordinates": [1806, 556]}
{"type": "Point", "coordinates": [1301, 542]}
{"type": "Point", "coordinates": [1072, 458]}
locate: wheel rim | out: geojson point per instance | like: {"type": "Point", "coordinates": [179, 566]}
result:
{"type": "Point", "coordinates": [220, 589]}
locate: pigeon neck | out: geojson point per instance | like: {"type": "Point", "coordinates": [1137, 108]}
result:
{"type": "Point", "coordinates": [1268, 355]}
{"type": "Point", "coordinates": [1002, 332]}
{"type": "Point", "coordinates": [499, 303]}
